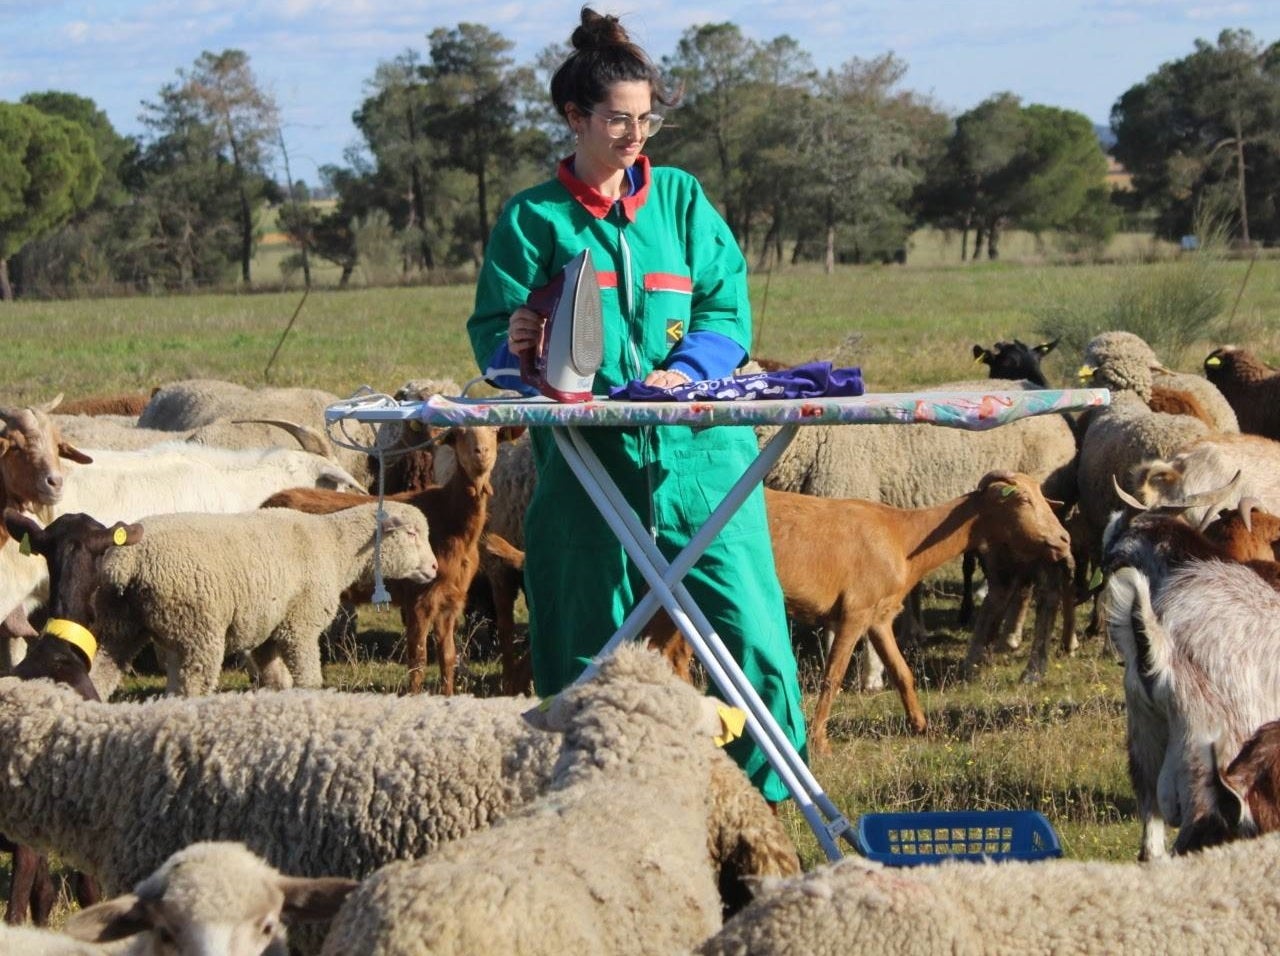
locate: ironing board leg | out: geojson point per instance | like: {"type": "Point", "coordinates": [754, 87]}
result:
{"type": "Point", "coordinates": [666, 589]}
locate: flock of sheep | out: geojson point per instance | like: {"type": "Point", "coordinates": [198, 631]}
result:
{"type": "Point", "coordinates": [208, 519]}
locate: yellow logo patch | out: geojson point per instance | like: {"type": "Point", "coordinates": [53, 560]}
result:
{"type": "Point", "coordinates": [675, 330]}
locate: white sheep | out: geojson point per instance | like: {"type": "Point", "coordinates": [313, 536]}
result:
{"type": "Point", "coordinates": [1125, 433]}
{"type": "Point", "coordinates": [264, 582]}
{"type": "Point", "coordinates": [612, 858]}
{"type": "Point", "coordinates": [189, 404]}
{"type": "Point", "coordinates": [1225, 900]}
{"type": "Point", "coordinates": [211, 899]}
{"type": "Point", "coordinates": [319, 783]}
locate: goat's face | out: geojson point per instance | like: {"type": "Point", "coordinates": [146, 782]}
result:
{"type": "Point", "coordinates": [1017, 518]}
{"type": "Point", "coordinates": [30, 447]}
{"type": "Point", "coordinates": [1015, 360]}
{"type": "Point", "coordinates": [71, 545]}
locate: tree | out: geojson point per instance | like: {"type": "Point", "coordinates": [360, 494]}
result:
{"type": "Point", "coordinates": [48, 172]}
{"type": "Point", "coordinates": [183, 228]}
{"type": "Point", "coordinates": [1034, 167]}
{"type": "Point", "coordinates": [393, 120]}
{"type": "Point", "coordinates": [1190, 133]}
{"type": "Point", "coordinates": [475, 90]}
{"type": "Point", "coordinates": [858, 153]}
{"type": "Point", "coordinates": [245, 124]}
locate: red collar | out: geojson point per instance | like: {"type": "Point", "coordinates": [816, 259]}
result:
{"type": "Point", "coordinates": [596, 203]}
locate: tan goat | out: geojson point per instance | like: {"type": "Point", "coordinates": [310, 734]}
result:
{"type": "Point", "coordinates": [848, 564]}
{"type": "Point", "coordinates": [456, 513]}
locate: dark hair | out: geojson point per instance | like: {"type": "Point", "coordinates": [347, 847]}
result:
{"type": "Point", "coordinates": [602, 55]}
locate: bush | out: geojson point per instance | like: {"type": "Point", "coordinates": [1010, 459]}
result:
{"type": "Point", "coordinates": [1170, 305]}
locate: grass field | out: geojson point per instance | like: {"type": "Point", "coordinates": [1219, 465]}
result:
{"type": "Point", "coordinates": [1057, 746]}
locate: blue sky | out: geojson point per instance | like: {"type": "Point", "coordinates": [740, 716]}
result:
{"type": "Point", "coordinates": [316, 55]}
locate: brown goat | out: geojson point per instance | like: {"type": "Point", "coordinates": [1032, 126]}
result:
{"type": "Point", "coordinates": [456, 513]}
{"type": "Point", "coordinates": [70, 544]}
{"type": "Point", "coordinates": [1250, 386]}
{"type": "Point", "coordinates": [848, 565]}
{"type": "Point", "coordinates": [1241, 801]}
{"type": "Point", "coordinates": [1247, 533]}
{"type": "Point", "coordinates": [128, 403]}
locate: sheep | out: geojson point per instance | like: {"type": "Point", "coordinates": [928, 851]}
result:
{"type": "Point", "coordinates": [456, 512]}
{"type": "Point", "coordinates": [189, 404]}
{"type": "Point", "coordinates": [211, 899]}
{"type": "Point", "coordinates": [262, 582]}
{"type": "Point", "coordinates": [26, 941]}
{"type": "Point", "coordinates": [1250, 386]}
{"type": "Point", "coordinates": [1015, 360]}
{"type": "Point", "coordinates": [1223, 900]}
{"type": "Point", "coordinates": [317, 782]}
{"type": "Point", "coordinates": [1122, 435]}
{"type": "Point", "coordinates": [1210, 462]}
{"type": "Point", "coordinates": [560, 875]}
{"type": "Point", "coordinates": [872, 555]}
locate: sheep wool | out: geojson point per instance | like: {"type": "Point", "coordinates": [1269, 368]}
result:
{"type": "Point", "coordinates": [318, 783]}
{"type": "Point", "coordinates": [268, 582]}
{"type": "Point", "coordinates": [612, 859]}
{"type": "Point", "coordinates": [1225, 900]}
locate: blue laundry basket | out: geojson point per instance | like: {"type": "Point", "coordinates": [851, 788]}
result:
{"type": "Point", "coordinates": [910, 839]}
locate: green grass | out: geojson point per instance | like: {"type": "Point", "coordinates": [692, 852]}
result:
{"type": "Point", "coordinates": [994, 742]}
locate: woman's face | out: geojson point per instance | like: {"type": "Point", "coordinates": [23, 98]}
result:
{"type": "Point", "coordinates": [596, 147]}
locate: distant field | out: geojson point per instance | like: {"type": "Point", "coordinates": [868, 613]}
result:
{"type": "Point", "coordinates": [994, 742]}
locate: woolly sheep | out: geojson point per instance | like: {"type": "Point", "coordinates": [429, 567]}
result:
{"type": "Point", "coordinates": [189, 404]}
{"type": "Point", "coordinates": [211, 899]}
{"type": "Point", "coordinates": [26, 941]}
{"type": "Point", "coordinates": [1225, 900]}
{"type": "Point", "coordinates": [263, 582]}
{"type": "Point", "coordinates": [1124, 433]}
{"type": "Point", "coordinates": [613, 858]}
{"type": "Point", "coordinates": [319, 783]}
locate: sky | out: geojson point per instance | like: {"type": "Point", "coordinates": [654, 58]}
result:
{"type": "Point", "coordinates": [316, 56]}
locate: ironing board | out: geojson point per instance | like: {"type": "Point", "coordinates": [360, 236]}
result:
{"type": "Point", "coordinates": [967, 410]}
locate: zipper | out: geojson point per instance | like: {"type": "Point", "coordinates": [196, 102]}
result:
{"type": "Point", "coordinates": [646, 436]}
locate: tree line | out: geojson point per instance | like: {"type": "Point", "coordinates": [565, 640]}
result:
{"type": "Point", "coordinates": [835, 165]}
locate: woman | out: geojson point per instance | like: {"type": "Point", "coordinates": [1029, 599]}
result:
{"type": "Point", "coordinates": [674, 296]}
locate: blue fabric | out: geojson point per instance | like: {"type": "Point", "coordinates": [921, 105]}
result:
{"type": "Point", "coordinates": [705, 355]}
{"type": "Point", "coordinates": [503, 371]}
{"type": "Point", "coordinates": [813, 380]}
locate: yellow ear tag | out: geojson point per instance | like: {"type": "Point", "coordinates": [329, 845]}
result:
{"type": "Point", "coordinates": [544, 705]}
{"type": "Point", "coordinates": [24, 546]}
{"type": "Point", "coordinates": [732, 722]}
{"type": "Point", "coordinates": [1096, 580]}
{"type": "Point", "coordinates": [1007, 491]}
{"type": "Point", "coordinates": [120, 537]}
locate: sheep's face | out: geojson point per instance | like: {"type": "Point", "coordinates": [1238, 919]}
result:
{"type": "Point", "coordinates": [212, 899]}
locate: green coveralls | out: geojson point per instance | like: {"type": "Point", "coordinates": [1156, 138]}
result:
{"type": "Point", "coordinates": [673, 268]}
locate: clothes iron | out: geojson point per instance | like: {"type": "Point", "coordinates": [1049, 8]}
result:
{"type": "Point", "coordinates": [572, 344]}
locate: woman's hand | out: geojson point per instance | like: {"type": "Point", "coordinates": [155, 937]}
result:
{"type": "Point", "coordinates": [662, 378]}
{"type": "Point", "coordinates": [524, 331]}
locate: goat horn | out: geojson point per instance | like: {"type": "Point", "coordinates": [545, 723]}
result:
{"type": "Point", "coordinates": [51, 404]}
{"type": "Point", "coordinates": [1210, 497]}
{"type": "Point", "coordinates": [1127, 498]}
{"type": "Point", "coordinates": [1245, 507]}
{"type": "Point", "coordinates": [306, 436]}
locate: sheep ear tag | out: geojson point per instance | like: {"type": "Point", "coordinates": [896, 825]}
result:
{"type": "Point", "coordinates": [119, 537]}
{"type": "Point", "coordinates": [1095, 581]}
{"type": "Point", "coordinates": [24, 547]}
{"type": "Point", "coordinates": [732, 722]}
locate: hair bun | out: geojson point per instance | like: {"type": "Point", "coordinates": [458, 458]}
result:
{"type": "Point", "coordinates": [598, 31]}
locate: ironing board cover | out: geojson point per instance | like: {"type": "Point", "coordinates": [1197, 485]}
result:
{"type": "Point", "coordinates": [971, 410]}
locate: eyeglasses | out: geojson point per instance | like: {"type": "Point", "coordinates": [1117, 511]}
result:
{"type": "Point", "coordinates": [618, 124]}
